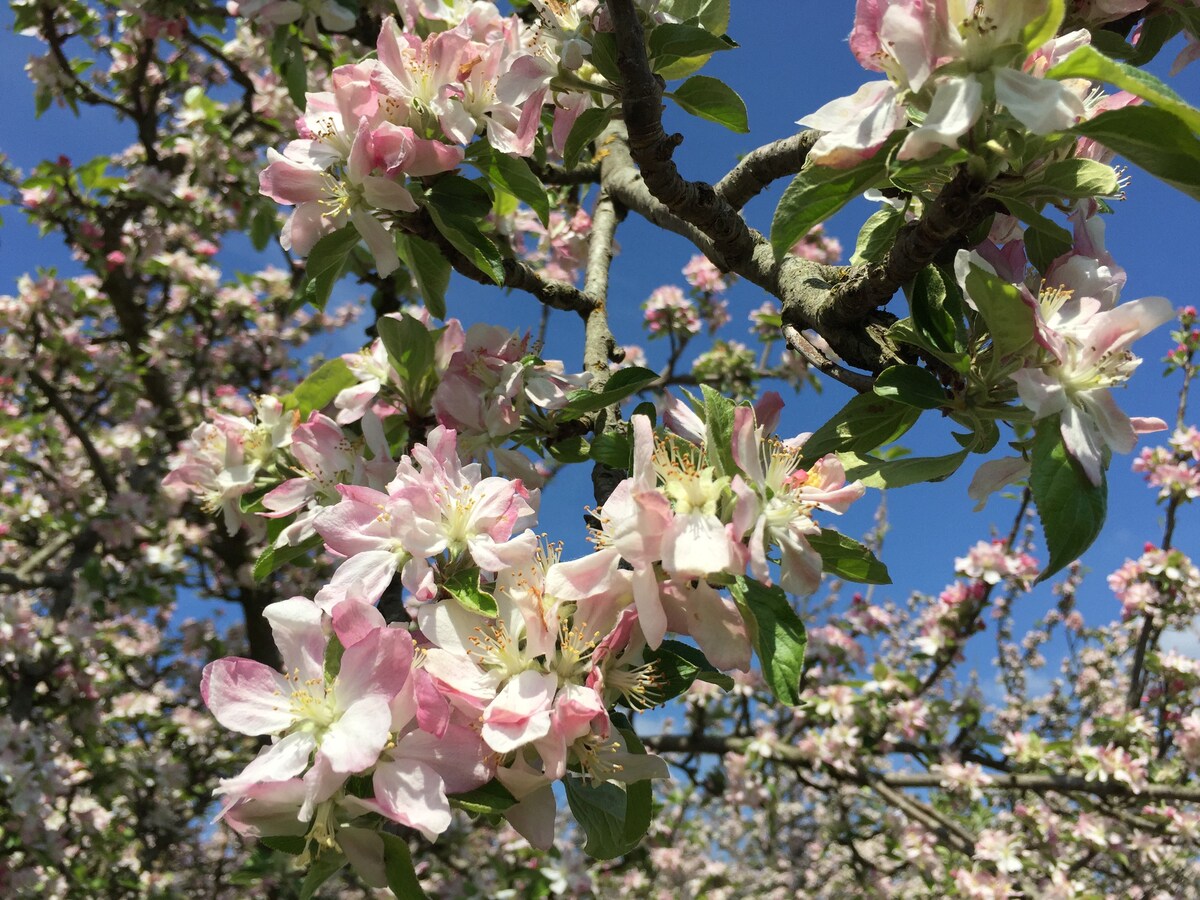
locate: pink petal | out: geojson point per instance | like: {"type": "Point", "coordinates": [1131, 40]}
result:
{"type": "Point", "coordinates": [353, 743]}
{"type": "Point", "coordinates": [413, 794]}
{"type": "Point", "coordinates": [246, 696]}
{"type": "Point", "coordinates": [521, 712]}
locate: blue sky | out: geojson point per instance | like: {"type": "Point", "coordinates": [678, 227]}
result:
{"type": "Point", "coordinates": [793, 58]}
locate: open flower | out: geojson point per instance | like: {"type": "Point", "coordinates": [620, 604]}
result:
{"type": "Point", "coordinates": [1089, 355]}
{"type": "Point", "coordinates": [345, 720]}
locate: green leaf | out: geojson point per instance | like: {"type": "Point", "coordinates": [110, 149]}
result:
{"type": "Point", "coordinates": [398, 864]}
{"type": "Point", "coordinates": [1044, 247]}
{"type": "Point", "coordinates": [264, 225]}
{"type": "Point", "coordinates": [639, 795]}
{"type": "Point", "coordinates": [570, 449]}
{"type": "Point", "coordinates": [816, 194]}
{"type": "Point", "coordinates": [295, 72]}
{"type": "Point", "coordinates": [718, 428]}
{"type": "Point", "coordinates": [603, 812]}
{"type": "Point", "coordinates": [291, 844]}
{"type": "Point", "coordinates": [1070, 507]}
{"type": "Point", "coordinates": [847, 558]}
{"type": "Point", "coordinates": [1075, 178]}
{"type": "Point", "coordinates": [612, 449]}
{"type": "Point", "coordinates": [457, 205]}
{"type": "Point", "coordinates": [1153, 34]}
{"type": "Point", "coordinates": [712, 99]}
{"type": "Point", "coordinates": [273, 558]}
{"type": "Point", "coordinates": [778, 635]}
{"type": "Point", "coordinates": [1045, 26]}
{"type": "Point", "coordinates": [1154, 139]}
{"type": "Point", "coordinates": [489, 799]}
{"type": "Point", "coordinates": [677, 665]}
{"type": "Point", "coordinates": [411, 349]}
{"type": "Point", "coordinates": [464, 587]}
{"type": "Point", "coordinates": [323, 868]}
{"type": "Point", "coordinates": [905, 331]}
{"type": "Point", "coordinates": [320, 388]}
{"type": "Point", "coordinates": [430, 271]}
{"type": "Point", "coordinates": [911, 385]}
{"type": "Point", "coordinates": [877, 235]}
{"type": "Point", "coordinates": [512, 173]}
{"type": "Point", "coordinates": [623, 383]}
{"type": "Point", "coordinates": [324, 266]}
{"type": "Point", "coordinates": [670, 43]}
{"type": "Point", "coordinates": [458, 196]}
{"type": "Point", "coordinates": [927, 300]}
{"type": "Point", "coordinates": [866, 422]}
{"type": "Point", "coordinates": [604, 56]}
{"type": "Point", "coordinates": [585, 130]}
{"type": "Point", "coordinates": [333, 658]}
{"type": "Point", "coordinates": [713, 14]}
{"type": "Point", "coordinates": [1009, 319]}
{"type": "Point", "coordinates": [895, 473]}
{"type": "Point", "coordinates": [1088, 62]}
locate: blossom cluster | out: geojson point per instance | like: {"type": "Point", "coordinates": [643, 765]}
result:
{"type": "Point", "coordinates": [950, 61]}
{"type": "Point", "coordinates": [519, 655]}
{"type": "Point", "coordinates": [409, 112]}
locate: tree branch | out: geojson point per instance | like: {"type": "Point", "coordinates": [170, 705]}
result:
{"type": "Point", "coordinates": [518, 275]}
{"type": "Point", "coordinates": [1038, 783]}
{"type": "Point", "coordinates": [958, 209]}
{"type": "Point", "coordinates": [652, 148]}
{"type": "Point", "coordinates": [760, 167]}
{"type": "Point", "coordinates": [802, 345]}
{"type": "Point", "coordinates": [111, 488]}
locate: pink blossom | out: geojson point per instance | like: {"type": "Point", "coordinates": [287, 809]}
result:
{"type": "Point", "coordinates": [345, 722]}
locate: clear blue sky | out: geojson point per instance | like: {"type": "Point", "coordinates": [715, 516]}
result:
{"type": "Point", "coordinates": [793, 58]}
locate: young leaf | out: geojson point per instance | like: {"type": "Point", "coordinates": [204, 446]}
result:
{"type": "Point", "coordinates": [291, 844]}
{"type": "Point", "coordinates": [487, 799]}
{"type": "Point", "coordinates": [778, 635]}
{"type": "Point", "coordinates": [1088, 62]}
{"type": "Point", "coordinates": [295, 72]}
{"type": "Point", "coordinates": [457, 206]}
{"type": "Point", "coordinates": [410, 348]}
{"type": "Point", "coordinates": [866, 422]}
{"type": "Point", "coordinates": [894, 473]}
{"type": "Point", "coordinates": [274, 557]}
{"type": "Point", "coordinates": [1045, 26]}
{"type": "Point", "coordinates": [512, 173]}
{"type": "Point", "coordinates": [718, 426]}
{"type": "Point", "coordinates": [464, 587]}
{"type": "Point", "coordinates": [1074, 178]}
{"type": "Point", "coordinates": [1070, 507]}
{"type": "Point", "coordinates": [398, 864]}
{"type": "Point", "coordinates": [712, 99]}
{"type": "Point", "coordinates": [320, 388]}
{"type": "Point", "coordinates": [911, 385]}
{"type": "Point", "coordinates": [677, 665]}
{"type": "Point", "coordinates": [324, 266]}
{"type": "Point", "coordinates": [928, 301]}
{"type": "Point", "coordinates": [623, 384]}
{"type": "Point", "coordinates": [585, 130]}
{"type": "Point", "coordinates": [430, 271]}
{"type": "Point", "coordinates": [612, 449]}
{"type": "Point", "coordinates": [1010, 320]}
{"type": "Point", "coordinates": [670, 42]}
{"type": "Point", "coordinates": [323, 868]}
{"type": "Point", "coordinates": [816, 194]}
{"type": "Point", "coordinates": [603, 813]}
{"type": "Point", "coordinates": [877, 234]}
{"type": "Point", "coordinates": [847, 558]}
{"type": "Point", "coordinates": [1154, 139]}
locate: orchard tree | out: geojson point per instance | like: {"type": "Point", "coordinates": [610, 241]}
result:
{"type": "Point", "coordinates": [423, 694]}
